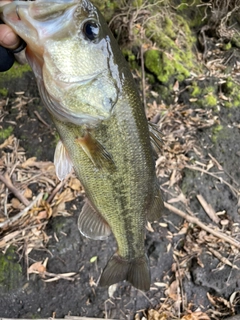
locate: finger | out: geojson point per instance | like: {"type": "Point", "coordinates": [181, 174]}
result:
{"type": "Point", "coordinates": [8, 38]}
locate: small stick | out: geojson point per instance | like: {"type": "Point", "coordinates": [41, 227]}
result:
{"type": "Point", "coordinates": [234, 190]}
{"type": "Point", "coordinates": [56, 189]}
{"type": "Point", "coordinates": [20, 214]}
{"type": "Point", "coordinates": [208, 209]}
{"type": "Point", "coordinates": [8, 183]}
{"type": "Point", "coordinates": [41, 119]}
{"type": "Point", "coordinates": [195, 220]}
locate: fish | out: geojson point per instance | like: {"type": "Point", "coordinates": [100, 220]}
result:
{"type": "Point", "coordinates": [87, 87]}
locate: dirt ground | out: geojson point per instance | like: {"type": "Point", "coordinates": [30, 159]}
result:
{"type": "Point", "coordinates": [195, 273]}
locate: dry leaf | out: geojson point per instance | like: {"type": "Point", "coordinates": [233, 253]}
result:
{"type": "Point", "coordinates": [28, 193]}
{"type": "Point", "coordinates": [16, 204]}
{"type": "Point", "coordinates": [198, 315]}
{"type": "Point", "coordinates": [29, 162]}
{"type": "Point", "coordinates": [7, 142]}
{"type": "Point", "coordinates": [75, 184]}
{"type": "Point", "coordinates": [155, 315]}
{"type": "Point", "coordinates": [37, 267]}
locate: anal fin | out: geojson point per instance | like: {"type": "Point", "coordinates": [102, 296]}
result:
{"type": "Point", "coordinates": [62, 162]}
{"type": "Point", "coordinates": [136, 271]}
{"type": "Point", "coordinates": [96, 152]}
{"type": "Point", "coordinates": [91, 224]}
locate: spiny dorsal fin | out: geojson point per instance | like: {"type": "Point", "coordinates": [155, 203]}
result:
{"type": "Point", "coordinates": [155, 137]}
{"type": "Point", "coordinates": [96, 152]}
{"type": "Point", "coordinates": [62, 162]}
{"type": "Point", "coordinates": [157, 207]}
{"type": "Point", "coordinates": [91, 224]}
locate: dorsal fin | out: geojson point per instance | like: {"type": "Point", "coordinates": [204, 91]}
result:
{"type": "Point", "coordinates": [91, 224]}
{"type": "Point", "coordinates": [63, 163]}
{"type": "Point", "coordinates": [157, 207]}
{"type": "Point", "coordinates": [155, 137]}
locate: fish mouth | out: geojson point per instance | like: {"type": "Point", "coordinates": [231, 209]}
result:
{"type": "Point", "coordinates": [36, 21]}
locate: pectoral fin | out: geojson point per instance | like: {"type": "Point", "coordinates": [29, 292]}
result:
{"type": "Point", "coordinates": [91, 224]}
{"type": "Point", "coordinates": [155, 137]}
{"type": "Point", "coordinates": [96, 152]}
{"type": "Point", "coordinates": [62, 162]}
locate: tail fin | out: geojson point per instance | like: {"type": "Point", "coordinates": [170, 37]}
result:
{"type": "Point", "coordinates": [135, 271]}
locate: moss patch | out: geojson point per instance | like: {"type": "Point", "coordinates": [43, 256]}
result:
{"type": "Point", "coordinates": [210, 100]}
{"type": "Point", "coordinates": [4, 92]}
{"type": "Point", "coordinates": [173, 58]}
{"type": "Point", "coordinates": [10, 270]}
{"type": "Point", "coordinates": [107, 7]}
{"type": "Point", "coordinates": [216, 133]}
{"type": "Point", "coordinates": [231, 90]}
{"type": "Point", "coordinates": [5, 133]}
{"type": "Point", "coordinates": [16, 71]}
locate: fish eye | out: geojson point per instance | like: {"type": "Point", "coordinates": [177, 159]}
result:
{"type": "Point", "coordinates": [91, 30]}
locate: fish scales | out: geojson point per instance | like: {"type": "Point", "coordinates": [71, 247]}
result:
{"type": "Point", "coordinates": [116, 193]}
{"type": "Point", "coordinates": [87, 87]}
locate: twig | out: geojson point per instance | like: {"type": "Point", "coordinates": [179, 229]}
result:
{"type": "Point", "coordinates": [57, 188]}
{"type": "Point", "coordinates": [234, 190]}
{"type": "Point", "coordinates": [208, 209]}
{"type": "Point", "coordinates": [20, 214]}
{"type": "Point", "coordinates": [7, 181]}
{"type": "Point", "coordinates": [41, 119]}
{"type": "Point", "coordinates": [195, 220]}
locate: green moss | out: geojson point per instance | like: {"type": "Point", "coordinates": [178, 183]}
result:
{"type": "Point", "coordinates": [209, 90]}
{"type": "Point", "coordinates": [236, 40]}
{"type": "Point", "coordinates": [236, 101]}
{"type": "Point", "coordinates": [5, 133]}
{"type": "Point", "coordinates": [228, 104]}
{"type": "Point", "coordinates": [107, 7]}
{"type": "Point", "coordinates": [128, 54]}
{"type": "Point", "coordinates": [169, 29]}
{"type": "Point", "coordinates": [227, 46]}
{"type": "Point", "coordinates": [193, 12]}
{"type": "Point", "coordinates": [215, 132]}
{"type": "Point", "coordinates": [231, 90]}
{"type": "Point", "coordinates": [229, 85]}
{"type": "Point", "coordinates": [195, 90]}
{"type": "Point", "coordinates": [15, 72]}
{"type": "Point", "coordinates": [3, 92]}
{"type": "Point", "coordinates": [10, 270]}
{"type": "Point", "coordinates": [163, 67]}
{"type": "Point", "coordinates": [210, 100]}
{"type": "Point", "coordinates": [173, 59]}
{"type": "Point", "coordinates": [150, 77]}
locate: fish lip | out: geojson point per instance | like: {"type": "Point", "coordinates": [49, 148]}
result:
{"type": "Point", "coordinates": [19, 16]}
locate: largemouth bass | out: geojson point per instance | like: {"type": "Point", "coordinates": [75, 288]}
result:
{"type": "Point", "coordinates": [87, 87]}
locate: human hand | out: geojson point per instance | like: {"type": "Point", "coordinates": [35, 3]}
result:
{"type": "Point", "coordinates": [8, 41]}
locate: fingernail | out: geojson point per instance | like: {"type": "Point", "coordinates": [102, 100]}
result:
{"type": "Point", "coordinates": [10, 40]}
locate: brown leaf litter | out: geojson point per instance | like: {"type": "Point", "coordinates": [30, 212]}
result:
{"type": "Point", "coordinates": [23, 215]}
